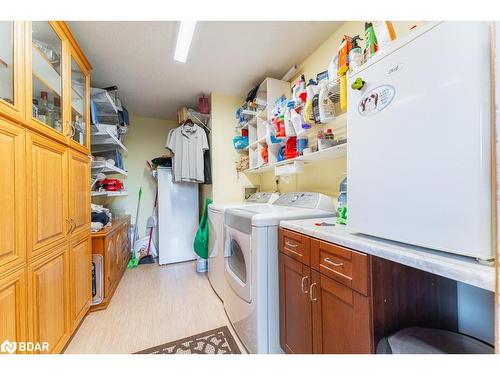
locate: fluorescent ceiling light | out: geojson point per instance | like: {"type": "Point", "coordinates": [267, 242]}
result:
{"type": "Point", "coordinates": [184, 38]}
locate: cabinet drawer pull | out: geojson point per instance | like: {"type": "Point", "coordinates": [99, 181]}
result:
{"type": "Point", "coordinates": [292, 245]}
{"type": "Point", "coordinates": [328, 260]}
{"type": "Point", "coordinates": [305, 291]}
{"type": "Point", "coordinates": [311, 298]}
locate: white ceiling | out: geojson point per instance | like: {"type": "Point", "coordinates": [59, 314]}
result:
{"type": "Point", "coordinates": [225, 57]}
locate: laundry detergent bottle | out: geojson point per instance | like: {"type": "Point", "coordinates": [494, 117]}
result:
{"type": "Point", "coordinates": [308, 109]}
{"type": "Point", "coordinates": [326, 105]}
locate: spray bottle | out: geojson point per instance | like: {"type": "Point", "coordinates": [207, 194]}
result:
{"type": "Point", "coordinates": [343, 67]}
{"type": "Point", "coordinates": [289, 128]}
{"type": "Point", "coordinates": [355, 54]}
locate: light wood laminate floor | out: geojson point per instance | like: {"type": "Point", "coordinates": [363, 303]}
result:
{"type": "Point", "coordinates": [152, 305]}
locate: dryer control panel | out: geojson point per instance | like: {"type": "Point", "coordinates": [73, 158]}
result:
{"type": "Point", "coordinates": [262, 197]}
{"type": "Point", "coordinates": [306, 200]}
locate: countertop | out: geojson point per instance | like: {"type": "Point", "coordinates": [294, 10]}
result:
{"type": "Point", "coordinates": [455, 267]}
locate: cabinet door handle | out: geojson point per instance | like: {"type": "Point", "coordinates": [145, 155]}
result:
{"type": "Point", "coordinates": [328, 260]}
{"type": "Point", "coordinates": [305, 291]}
{"type": "Point", "coordinates": [311, 288]}
{"type": "Point", "coordinates": [73, 224]}
{"type": "Point", "coordinates": [292, 245]}
{"type": "Point", "coordinates": [68, 133]}
{"type": "Point", "coordinates": [70, 225]}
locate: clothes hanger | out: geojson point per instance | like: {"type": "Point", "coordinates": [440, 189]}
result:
{"type": "Point", "coordinates": [191, 123]}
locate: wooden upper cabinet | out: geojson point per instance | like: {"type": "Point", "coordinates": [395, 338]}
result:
{"type": "Point", "coordinates": [79, 192]}
{"type": "Point", "coordinates": [12, 196]}
{"type": "Point", "coordinates": [47, 198]}
{"type": "Point", "coordinates": [48, 299]}
{"type": "Point", "coordinates": [79, 103]}
{"type": "Point", "coordinates": [46, 85]}
{"type": "Point", "coordinates": [13, 307]}
{"type": "Point", "coordinates": [12, 89]}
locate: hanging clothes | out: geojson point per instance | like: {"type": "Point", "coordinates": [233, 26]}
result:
{"type": "Point", "coordinates": [207, 167]}
{"type": "Point", "coordinates": [188, 143]}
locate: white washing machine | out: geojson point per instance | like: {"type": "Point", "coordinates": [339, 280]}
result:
{"type": "Point", "coordinates": [251, 296]}
{"type": "Point", "coordinates": [216, 236]}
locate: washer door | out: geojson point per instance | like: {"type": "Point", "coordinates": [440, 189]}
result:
{"type": "Point", "coordinates": [238, 251]}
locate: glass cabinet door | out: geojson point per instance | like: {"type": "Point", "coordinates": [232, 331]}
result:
{"type": "Point", "coordinates": [78, 95]}
{"type": "Point", "coordinates": [7, 61]}
{"type": "Point", "coordinates": [47, 83]}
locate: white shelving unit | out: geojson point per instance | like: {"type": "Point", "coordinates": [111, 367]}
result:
{"type": "Point", "coordinates": [332, 153]}
{"type": "Point", "coordinates": [107, 168]}
{"type": "Point", "coordinates": [105, 140]}
{"type": "Point", "coordinates": [269, 91]}
{"type": "Point", "coordinates": [109, 193]}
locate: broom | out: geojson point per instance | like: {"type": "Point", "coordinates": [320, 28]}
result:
{"type": "Point", "coordinates": [133, 262]}
{"type": "Point", "coordinates": [144, 256]}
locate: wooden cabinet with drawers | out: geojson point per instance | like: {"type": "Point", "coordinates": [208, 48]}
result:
{"type": "Point", "coordinates": [324, 297]}
{"type": "Point", "coordinates": [336, 300]}
{"type": "Point", "coordinates": [113, 245]}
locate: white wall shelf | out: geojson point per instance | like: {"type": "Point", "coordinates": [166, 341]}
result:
{"type": "Point", "coordinates": [107, 168]}
{"type": "Point", "coordinates": [121, 193]}
{"type": "Point", "coordinates": [105, 140]}
{"type": "Point", "coordinates": [332, 153]}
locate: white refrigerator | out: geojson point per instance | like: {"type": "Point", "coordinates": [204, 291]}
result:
{"type": "Point", "coordinates": [419, 141]}
{"type": "Point", "coordinates": [178, 214]}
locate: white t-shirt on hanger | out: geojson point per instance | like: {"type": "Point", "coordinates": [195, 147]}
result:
{"type": "Point", "coordinates": [188, 143]}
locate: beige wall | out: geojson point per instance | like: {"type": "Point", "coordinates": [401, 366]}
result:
{"type": "Point", "coordinates": [325, 176]}
{"type": "Point", "coordinates": [227, 183]}
{"type": "Point", "coordinates": [145, 140]}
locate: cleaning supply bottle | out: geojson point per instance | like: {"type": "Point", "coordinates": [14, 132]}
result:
{"type": "Point", "coordinates": [355, 54]}
{"type": "Point", "coordinates": [308, 109]}
{"type": "Point", "coordinates": [371, 46]}
{"type": "Point", "coordinates": [329, 135]}
{"type": "Point", "coordinates": [315, 105]}
{"type": "Point", "coordinates": [302, 143]}
{"type": "Point", "coordinates": [342, 203]}
{"type": "Point", "coordinates": [344, 49]}
{"type": "Point", "coordinates": [326, 105]}
{"type": "Point", "coordinates": [320, 140]}
{"type": "Point", "coordinates": [296, 120]}
{"type": "Point", "coordinates": [343, 67]}
{"type": "Point", "coordinates": [302, 89]}
{"type": "Point", "coordinates": [332, 68]}
{"type": "Point", "coordinates": [289, 128]}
